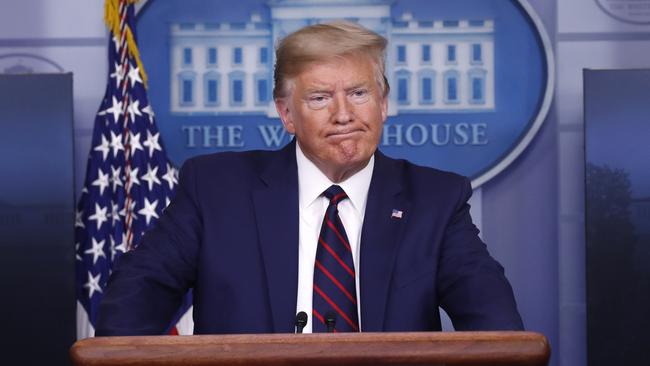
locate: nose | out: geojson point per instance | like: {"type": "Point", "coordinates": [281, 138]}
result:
{"type": "Point", "coordinates": [342, 109]}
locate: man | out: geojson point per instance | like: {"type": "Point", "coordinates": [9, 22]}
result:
{"type": "Point", "coordinates": [328, 225]}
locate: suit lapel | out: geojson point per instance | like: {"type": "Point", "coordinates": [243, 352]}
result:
{"type": "Point", "coordinates": [380, 240]}
{"type": "Point", "coordinates": [276, 212]}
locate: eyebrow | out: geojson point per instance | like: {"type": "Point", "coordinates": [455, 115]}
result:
{"type": "Point", "coordinates": [317, 90]}
{"type": "Point", "coordinates": [362, 84]}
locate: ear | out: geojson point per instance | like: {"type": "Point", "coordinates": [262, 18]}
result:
{"type": "Point", "coordinates": [384, 108]}
{"type": "Point", "coordinates": [282, 106]}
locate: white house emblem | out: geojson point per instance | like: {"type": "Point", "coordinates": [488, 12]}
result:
{"type": "Point", "coordinates": [470, 79]}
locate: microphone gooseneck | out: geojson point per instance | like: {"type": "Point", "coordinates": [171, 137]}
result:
{"type": "Point", "coordinates": [330, 321]}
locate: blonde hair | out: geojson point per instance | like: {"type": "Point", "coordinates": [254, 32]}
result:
{"type": "Point", "coordinates": [320, 42]}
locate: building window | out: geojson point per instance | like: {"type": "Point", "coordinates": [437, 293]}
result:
{"type": "Point", "coordinates": [401, 54]}
{"type": "Point", "coordinates": [427, 86]}
{"type": "Point", "coordinates": [477, 86]}
{"type": "Point", "coordinates": [237, 90]}
{"type": "Point", "coordinates": [403, 90]}
{"type": "Point", "coordinates": [264, 55]}
{"type": "Point", "coordinates": [403, 83]}
{"type": "Point", "coordinates": [262, 89]}
{"type": "Point", "coordinates": [477, 54]}
{"type": "Point", "coordinates": [477, 89]}
{"type": "Point", "coordinates": [186, 88]}
{"type": "Point", "coordinates": [187, 91]}
{"type": "Point", "coordinates": [211, 82]}
{"type": "Point", "coordinates": [451, 53]}
{"type": "Point", "coordinates": [212, 56]}
{"type": "Point", "coordinates": [451, 87]}
{"type": "Point", "coordinates": [187, 56]}
{"type": "Point", "coordinates": [450, 23]}
{"type": "Point", "coordinates": [237, 56]}
{"type": "Point", "coordinates": [426, 53]}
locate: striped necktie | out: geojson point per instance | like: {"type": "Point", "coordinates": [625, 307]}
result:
{"type": "Point", "coordinates": [335, 295]}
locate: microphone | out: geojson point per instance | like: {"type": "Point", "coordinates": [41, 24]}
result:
{"type": "Point", "coordinates": [330, 321]}
{"type": "Point", "coordinates": [301, 321]}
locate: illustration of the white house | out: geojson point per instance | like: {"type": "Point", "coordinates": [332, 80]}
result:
{"type": "Point", "coordinates": [432, 65]}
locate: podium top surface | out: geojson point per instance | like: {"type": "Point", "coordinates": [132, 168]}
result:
{"type": "Point", "coordinates": [436, 348]}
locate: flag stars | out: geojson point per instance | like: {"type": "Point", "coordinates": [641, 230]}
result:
{"type": "Point", "coordinates": [118, 74]}
{"type": "Point", "coordinates": [134, 75]}
{"type": "Point", "coordinates": [151, 177]}
{"type": "Point", "coordinates": [115, 177]}
{"type": "Point", "coordinates": [134, 141]}
{"type": "Point", "coordinates": [93, 284]}
{"type": "Point", "coordinates": [149, 210]}
{"type": "Point", "coordinates": [122, 246]}
{"type": "Point", "coordinates": [115, 110]}
{"type": "Point", "coordinates": [78, 219]}
{"type": "Point", "coordinates": [152, 143]}
{"type": "Point", "coordinates": [104, 148]}
{"type": "Point", "coordinates": [170, 176]}
{"type": "Point", "coordinates": [115, 213]}
{"type": "Point", "coordinates": [100, 215]}
{"type": "Point", "coordinates": [133, 179]}
{"type": "Point", "coordinates": [131, 210]}
{"type": "Point", "coordinates": [76, 251]}
{"type": "Point", "coordinates": [116, 42]}
{"type": "Point", "coordinates": [101, 181]}
{"type": "Point", "coordinates": [116, 143]}
{"type": "Point", "coordinates": [97, 250]}
{"type": "Point", "coordinates": [117, 248]}
{"type": "Point", "coordinates": [134, 109]}
{"type": "Point", "coordinates": [149, 111]}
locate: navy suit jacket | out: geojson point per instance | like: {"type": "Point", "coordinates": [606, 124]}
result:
{"type": "Point", "coordinates": [231, 234]}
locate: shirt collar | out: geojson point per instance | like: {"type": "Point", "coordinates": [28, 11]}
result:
{"type": "Point", "coordinates": [312, 183]}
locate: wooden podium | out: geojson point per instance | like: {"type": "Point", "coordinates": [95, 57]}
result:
{"type": "Point", "coordinates": [431, 348]}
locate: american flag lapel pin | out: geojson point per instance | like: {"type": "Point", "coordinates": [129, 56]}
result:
{"type": "Point", "coordinates": [396, 214]}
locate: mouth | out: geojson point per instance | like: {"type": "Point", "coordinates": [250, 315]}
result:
{"type": "Point", "coordinates": [344, 134]}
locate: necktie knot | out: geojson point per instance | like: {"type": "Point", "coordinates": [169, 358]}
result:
{"type": "Point", "coordinates": [335, 194]}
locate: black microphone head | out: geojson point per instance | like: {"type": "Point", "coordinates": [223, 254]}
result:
{"type": "Point", "coordinates": [301, 319]}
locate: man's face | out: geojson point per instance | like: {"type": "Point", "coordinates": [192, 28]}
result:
{"type": "Point", "coordinates": [337, 110]}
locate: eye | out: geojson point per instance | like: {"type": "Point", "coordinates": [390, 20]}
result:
{"type": "Point", "coordinates": [360, 92]}
{"type": "Point", "coordinates": [317, 101]}
{"type": "Point", "coordinates": [360, 95]}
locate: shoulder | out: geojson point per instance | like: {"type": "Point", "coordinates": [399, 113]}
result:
{"type": "Point", "coordinates": [418, 177]}
{"type": "Point", "coordinates": [243, 160]}
{"type": "Point", "coordinates": [237, 169]}
{"type": "Point", "coordinates": [424, 186]}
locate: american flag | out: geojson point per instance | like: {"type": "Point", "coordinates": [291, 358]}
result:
{"type": "Point", "coordinates": [129, 179]}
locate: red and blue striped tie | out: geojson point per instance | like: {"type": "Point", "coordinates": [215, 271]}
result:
{"type": "Point", "coordinates": [335, 294]}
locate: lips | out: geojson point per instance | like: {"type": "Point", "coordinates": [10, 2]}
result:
{"type": "Point", "coordinates": [345, 133]}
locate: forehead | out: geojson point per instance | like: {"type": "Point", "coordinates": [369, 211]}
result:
{"type": "Point", "coordinates": [343, 70]}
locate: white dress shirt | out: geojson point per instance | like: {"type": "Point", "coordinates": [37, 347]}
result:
{"type": "Point", "coordinates": [312, 206]}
